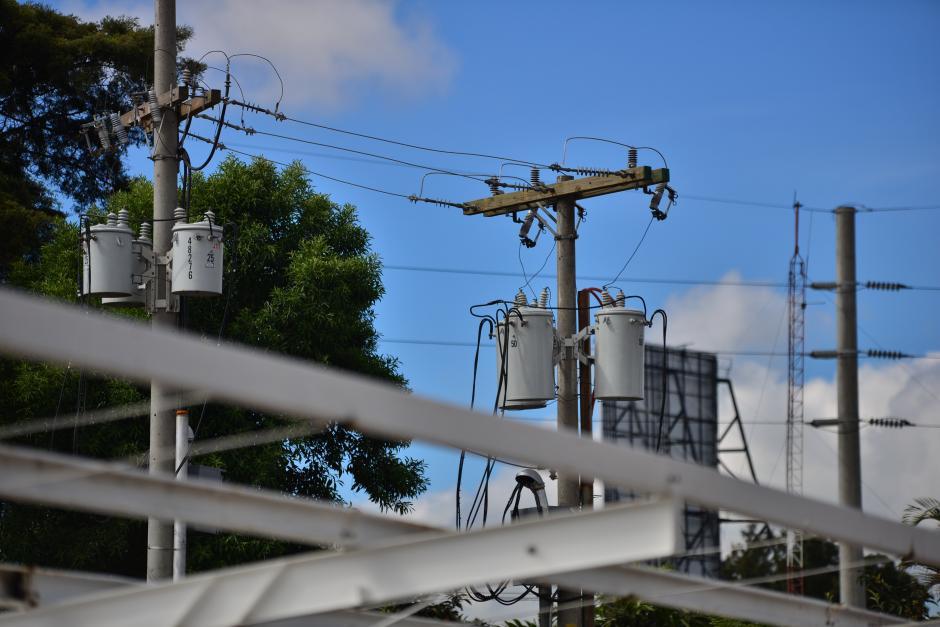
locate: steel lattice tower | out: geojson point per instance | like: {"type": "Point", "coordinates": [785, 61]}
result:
{"type": "Point", "coordinates": [796, 304]}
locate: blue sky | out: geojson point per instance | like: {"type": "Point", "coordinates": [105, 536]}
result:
{"type": "Point", "coordinates": [835, 101]}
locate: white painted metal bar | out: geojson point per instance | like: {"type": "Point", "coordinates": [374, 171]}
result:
{"type": "Point", "coordinates": [35, 587]}
{"type": "Point", "coordinates": [280, 513]}
{"type": "Point", "coordinates": [719, 597]}
{"type": "Point", "coordinates": [105, 487]}
{"type": "Point", "coordinates": [406, 568]}
{"type": "Point", "coordinates": [249, 377]}
{"type": "Point", "coordinates": [25, 587]}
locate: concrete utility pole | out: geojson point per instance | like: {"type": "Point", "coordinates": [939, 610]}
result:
{"type": "Point", "coordinates": [852, 591]}
{"type": "Point", "coordinates": [184, 440]}
{"type": "Point", "coordinates": [569, 487]}
{"type": "Point", "coordinates": [165, 168]}
{"type": "Point", "coordinates": [576, 608]}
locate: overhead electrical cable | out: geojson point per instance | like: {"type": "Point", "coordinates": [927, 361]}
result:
{"type": "Point", "coordinates": [505, 273]}
{"type": "Point", "coordinates": [281, 116]}
{"type": "Point", "coordinates": [664, 281]}
{"type": "Point", "coordinates": [767, 205]}
{"type": "Point", "coordinates": [632, 255]}
{"type": "Point", "coordinates": [412, 198]}
{"type": "Point", "coordinates": [731, 353]}
{"type": "Point", "coordinates": [251, 131]}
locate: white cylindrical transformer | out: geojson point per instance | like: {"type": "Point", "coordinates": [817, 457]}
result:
{"type": "Point", "coordinates": [108, 258]}
{"type": "Point", "coordinates": [619, 354]}
{"type": "Point", "coordinates": [142, 272]}
{"type": "Point", "coordinates": [197, 258]}
{"type": "Point", "coordinates": [529, 377]}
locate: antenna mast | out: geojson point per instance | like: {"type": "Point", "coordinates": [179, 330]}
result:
{"type": "Point", "coordinates": [796, 304]}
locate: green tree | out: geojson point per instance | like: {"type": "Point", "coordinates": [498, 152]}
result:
{"type": "Point", "coordinates": [300, 280]}
{"type": "Point", "coordinates": [57, 72]}
{"type": "Point", "coordinates": [925, 510]}
{"type": "Point", "coordinates": [889, 588]}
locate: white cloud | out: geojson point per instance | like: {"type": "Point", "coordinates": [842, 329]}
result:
{"type": "Point", "coordinates": [897, 465]}
{"type": "Point", "coordinates": [327, 51]}
{"type": "Point", "coordinates": [726, 317]}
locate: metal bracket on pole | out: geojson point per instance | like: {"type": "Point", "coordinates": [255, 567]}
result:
{"type": "Point", "coordinates": [574, 189]}
{"type": "Point", "coordinates": [574, 344]}
{"type": "Point", "coordinates": [160, 296]}
{"type": "Point", "coordinates": [178, 98]}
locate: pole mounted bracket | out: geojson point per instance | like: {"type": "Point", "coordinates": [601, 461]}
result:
{"type": "Point", "coordinates": [160, 296]}
{"type": "Point", "coordinates": [179, 99]}
{"type": "Point", "coordinates": [570, 347]}
{"type": "Point", "coordinates": [575, 189]}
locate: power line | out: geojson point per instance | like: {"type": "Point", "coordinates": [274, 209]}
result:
{"type": "Point", "coordinates": [636, 249]}
{"type": "Point", "coordinates": [665, 281]}
{"type": "Point", "coordinates": [730, 353]}
{"type": "Point", "coordinates": [333, 129]}
{"type": "Point", "coordinates": [411, 198]}
{"type": "Point", "coordinates": [251, 131]}
{"type": "Point", "coordinates": [504, 273]}
{"type": "Point", "coordinates": [753, 203]}
{"type": "Point", "coordinates": [767, 205]}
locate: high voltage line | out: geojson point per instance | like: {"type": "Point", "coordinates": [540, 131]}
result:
{"type": "Point", "coordinates": [730, 353]}
{"type": "Point", "coordinates": [413, 198]}
{"type": "Point", "coordinates": [551, 166]}
{"type": "Point", "coordinates": [665, 281]}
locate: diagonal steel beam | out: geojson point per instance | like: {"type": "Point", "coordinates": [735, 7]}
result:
{"type": "Point", "coordinates": [109, 488]}
{"type": "Point", "coordinates": [405, 568]}
{"type": "Point", "coordinates": [26, 588]}
{"type": "Point", "coordinates": [249, 377]}
{"type": "Point", "coordinates": [719, 597]}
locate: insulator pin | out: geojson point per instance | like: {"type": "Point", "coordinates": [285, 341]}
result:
{"type": "Point", "coordinates": [883, 354]}
{"type": "Point", "coordinates": [885, 286]}
{"type": "Point", "coordinates": [632, 158]}
{"type": "Point", "coordinates": [156, 115]}
{"type": "Point", "coordinates": [104, 137]}
{"type": "Point", "coordinates": [891, 423]}
{"type": "Point", "coordinates": [117, 127]}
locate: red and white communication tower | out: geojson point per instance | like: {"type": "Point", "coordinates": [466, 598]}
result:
{"type": "Point", "coordinates": [796, 304]}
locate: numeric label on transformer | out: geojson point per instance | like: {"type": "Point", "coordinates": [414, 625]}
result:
{"type": "Point", "coordinates": [189, 256]}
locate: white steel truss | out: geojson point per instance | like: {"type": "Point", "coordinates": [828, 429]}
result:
{"type": "Point", "coordinates": [109, 488]}
{"type": "Point", "coordinates": [406, 567]}
{"type": "Point", "coordinates": [24, 588]}
{"type": "Point", "coordinates": [711, 596]}
{"type": "Point", "coordinates": [58, 333]}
